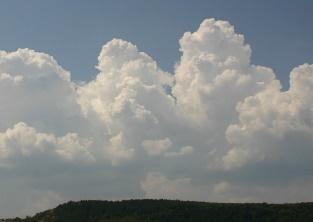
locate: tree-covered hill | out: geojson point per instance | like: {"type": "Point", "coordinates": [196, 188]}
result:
{"type": "Point", "coordinates": [171, 211]}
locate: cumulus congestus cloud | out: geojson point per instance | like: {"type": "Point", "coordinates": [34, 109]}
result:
{"type": "Point", "coordinates": [121, 135]}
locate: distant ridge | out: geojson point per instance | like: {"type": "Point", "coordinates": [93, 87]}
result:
{"type": "Point", "coordinates": [172, 211]}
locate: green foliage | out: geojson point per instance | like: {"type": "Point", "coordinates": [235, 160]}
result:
{"type": "Point", "coordinates": [172, 210]}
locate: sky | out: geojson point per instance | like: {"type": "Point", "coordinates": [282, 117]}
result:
{"type": "Point", "coordinates": [191, 100]}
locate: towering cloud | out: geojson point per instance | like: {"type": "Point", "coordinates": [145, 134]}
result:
{"type": "Point", "coordinates": [202, 132]}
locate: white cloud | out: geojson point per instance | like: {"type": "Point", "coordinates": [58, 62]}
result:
{"type": "Point", "coordinates": [214, 74]}
{"type": "Point", "coordinates": [24, 141]}
{"type": "Point", "coordinates": [123, 89]}
{"type": "Point", "coordinates": [156, 147]}
{"type": "Point", "coordinates": [73, 148]}
{"type": "Point", "coordinates": [118, 151]}
{"type": "Point", "coordinates": [128, 97]}
{"type": "Point", "coordinates": [275, 125]}
{"type": "Point", "coordinates": [34, 89]}
{"type": "Point", "coordinates": [222, 112]}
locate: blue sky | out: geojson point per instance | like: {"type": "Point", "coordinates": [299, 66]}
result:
{"type": "Point", "coordinates": [280, 32]}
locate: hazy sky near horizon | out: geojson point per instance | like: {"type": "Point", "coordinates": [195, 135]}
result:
{"type": "Point", "coordinates": [155, 99]}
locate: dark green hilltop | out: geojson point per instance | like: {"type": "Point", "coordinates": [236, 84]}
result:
{"type": "Point", "coordinates": [171, 211]}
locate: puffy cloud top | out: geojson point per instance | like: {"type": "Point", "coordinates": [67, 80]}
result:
{"type": "Point", "coordinates": [210, 38]}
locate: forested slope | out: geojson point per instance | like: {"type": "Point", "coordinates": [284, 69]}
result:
{"type": "Point", "coordinates": [171, 211]}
